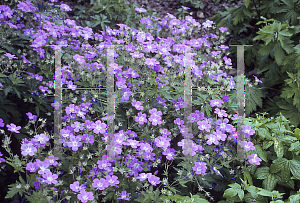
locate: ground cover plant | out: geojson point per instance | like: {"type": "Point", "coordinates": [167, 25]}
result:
{"type": "Point", "coordinates": [273, 29]}
{"type": "Point", "coordinates": [82, 144]}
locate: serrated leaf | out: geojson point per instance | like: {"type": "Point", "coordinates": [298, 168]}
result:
{"type": "Point", "coordinates": [262, 172]}
{"type": "Point", "coordinates": [12, 191]}
{"type": "Point", "coordinates": [294, 166]}
{"type": "Point", "coordinates": [278, 165]}
{"type": "Point", "coordinates": [270, 182]}
{"type": "Point", "coordinates": [285, 173]}
{"type": "Point", "coordinates": [264, 133]}
{"type": "Point", "coordinates": [253, 98]}
{"type": "Point", "coordinates": [279, 54]}
{"type": "Point", "coordinates": [267, 144]}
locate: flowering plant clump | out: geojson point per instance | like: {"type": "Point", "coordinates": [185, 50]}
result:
{"type": "Point", "coordinates": [90, 174]}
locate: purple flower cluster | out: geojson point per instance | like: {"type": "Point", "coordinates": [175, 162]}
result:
{"type": "Point", "coordinates": [143, 149]}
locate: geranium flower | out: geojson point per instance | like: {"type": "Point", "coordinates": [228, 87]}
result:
{"type": "Point", "coordinates": [50, 179]}
{"type": "Point", "coordinates": [254, 159]}
{"type": "Point", "coordinates": [85, 196]}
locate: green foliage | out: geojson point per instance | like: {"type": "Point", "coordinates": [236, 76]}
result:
{"type": "Point", "coordinates": [276, 143]}
{"type": "Point", "coordinates": [102, 13]}
{"type": "Point", "coordinates": [275, 50]}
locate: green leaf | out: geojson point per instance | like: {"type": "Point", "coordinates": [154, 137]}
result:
{"type": "Point", "coordinates": [252, 190]}
{"type": "Point", "coordinates": [295, 168]}
{"type": "Point", "coordinates": [262, 154]}
{"type": "Point", "coordinates": [241, 194]}
{"type": "Point", "coordinates": [270, 182]}
{"type": "Point", "coordinates": [279, 54]}
{"type": "Point", "coordinates": [264, 192]}
{"type": "Point", "coordinates": [248, 177]}
{"type": "Point", "coordinates": [231, 192]}
{"type": "Point", "coordinates": [247, 2]}
{"type": "Point", "coordinates": [278, 147]}
{"type": "Point", "coordinates": [278, 165]}
{"type": "Point", "coordinates": [267, 144]}
{"type": "Point", "coordinates": [297, 133]}
{"type": "Point", "coordinates": [235, 186]}
{"type": "Point", "coordinates": [12, 191]}
{"type": "Point", "coordinates": [262, 172]}
{"type": "Point", "coordinates": [3, 76]}
{"type": "Point", "coordinates": [285, 172]}
{"type": "Point", "coordinates": [295, 147]}
{"type": "Point", "coordinates": [264, 133]}
{"type": "Point", "coordinates": [253, 98]}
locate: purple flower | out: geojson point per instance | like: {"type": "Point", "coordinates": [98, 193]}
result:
{"type": "Point", "coordinates": [169, 153]}
{"type": "Point", "coordinates": [137, 105]}
{"type": "Point", "coordinates": [6, 11]}
{"type": "Point", "coordinates": [43, 165]}
{"type": "Point", "coordinates": [77, 126]}
{"type": "Point", "coordinates": [225, 98]}
{"type": "Point", "coordinates": [100, 184]}
{"type": "Point", "coordinates": [248, 130]}
{"type": "Point", "coordinates": [203, 125]}
{"type": "Point", "coordinates": [227, 60]}
{"type": "Point", "coordinates": [30, 116]}
{"type": "Point", "coordinates": [104, 164]}
{"type": "Point", "coordinates": [200, 167]}
{"type": "Point", "coordinates": [75, 186]}
{"type": "Point", "coordinates": [32, 167]}
{"type": "Point", "coordinates": [112, 180]}
{"type": "Point", "coordinates": [155, 119]}
{"type": "Point", "coordinates": [52, 160]}
{"type": "Point", "coordinates": [153, 180]}
{"type": "Point", "coordinates": [24, 58]}
{"type": "Point", "coordinates": [1, 122]}
{"type": "Point", "coordinates": [211, 138]}
{"type": "Point", "coordinates": [219, 135]}
{"type": "Point", "coordinates": [185, 7]}
{"type": "Point", "coordinates": [10, 56]}
{"type": "Point", "coordinates": [151, 61]}
{"type": "Point", "coordinates": [99, 127]}
{"type": "Point", "coordinates": [143, 176]}
{"type": "Point", "coordinates": [208, 24]}
{"type": "Point", "coordinates": [50, 178]}
{"type": "Point", "coordinates": [257, 80]}
{"type": "Point", "coordinates": [88, 138]}
{"type": "Point", "coordinates": [36, 185]}
{"type": "Point", "coordinates": [146, 147]}
{"type": "Point", "coordinates": [65, 7]}
{"type": "Point", "coordinates": [141, 118]}
{"type": "Point", "coordinates": [42, 138]}
{"type": "Point", "coordinates": [221, 113]}
{"type": "Point", "coordinates": [141, 10]}
{"type": "Point", "coordinates": [26, 6]}
{"type": "Point", "coordinates": [85, 196]}
{"type": "Point", "coordinates": [28, 149]}
{"type": "Point", "coordinates": [248, 146]}
{"type": "Point", "coordinates": [124, 195]}
{"type": "Point", "coordinates": [216, 102]}
{"type": "Point", "coordinates": [74, 142]}
{"type": "Point", "coordinates": [223, 29]}
{"type": "Point", "coordinates": [254, 159]}
{"type": "Point", "coordinates": [162, 142]}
